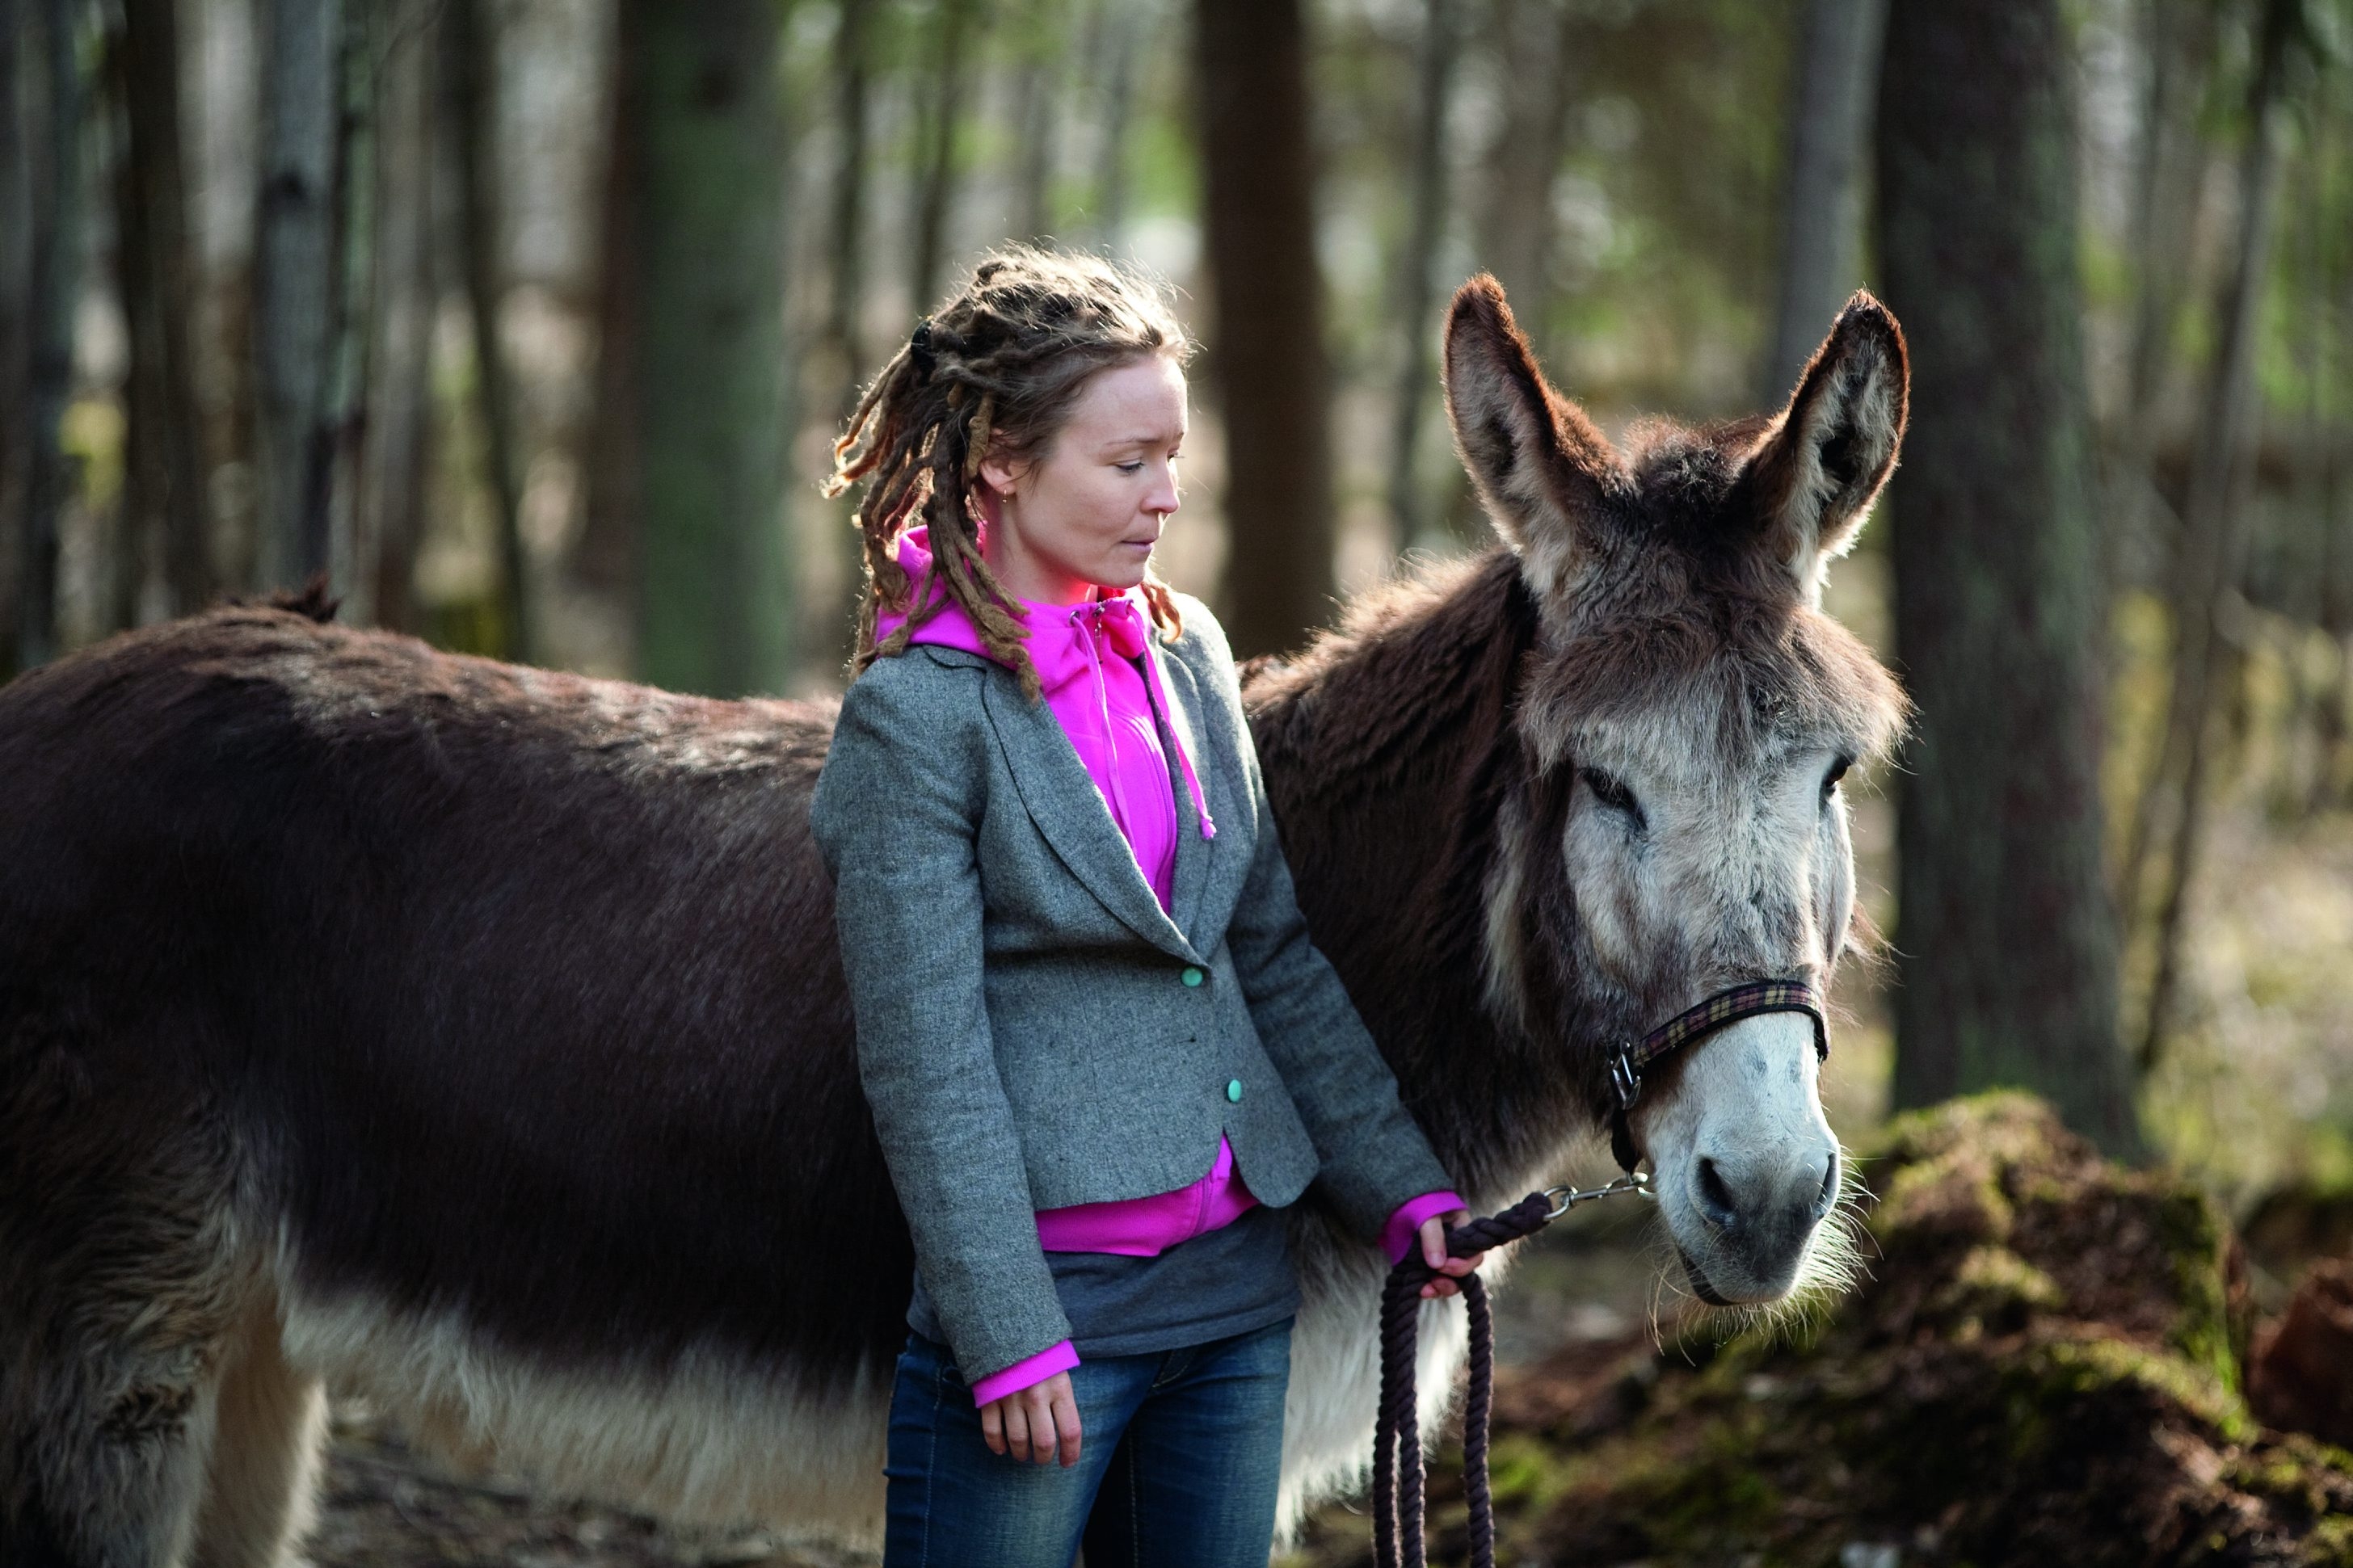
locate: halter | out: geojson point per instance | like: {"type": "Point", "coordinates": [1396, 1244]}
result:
{"type": "Point", "coordinates": [1397, 1439]}
{"type": "Point", "coordinates": [1748, 1000]}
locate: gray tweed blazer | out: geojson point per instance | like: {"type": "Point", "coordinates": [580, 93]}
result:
{"type": "Point", "coordinates": [1033, 1030]}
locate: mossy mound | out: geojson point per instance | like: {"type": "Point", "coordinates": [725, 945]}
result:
{"type": "Point", "coordinates": [2044, 1368]}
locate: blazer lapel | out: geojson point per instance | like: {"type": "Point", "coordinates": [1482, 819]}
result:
{"type": "Point", "coordinates": [1070, 812]}
{"type": "Point", "coordinates": [1194, 853]}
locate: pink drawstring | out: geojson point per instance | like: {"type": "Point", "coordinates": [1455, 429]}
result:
{"type": "Point", "coordinates": [1121, 622]}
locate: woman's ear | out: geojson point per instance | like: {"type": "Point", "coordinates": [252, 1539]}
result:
{"type": "Point", "coordinates": [1001, 476]}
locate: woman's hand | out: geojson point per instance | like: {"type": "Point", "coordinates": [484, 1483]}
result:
{"type": "Point", "coordinates": [1039, 1421]}
{"type": "Point", "coordinates": [1434, 1252]}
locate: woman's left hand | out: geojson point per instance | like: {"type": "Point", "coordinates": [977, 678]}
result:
{"type": "Point", "coordinates": [1434, 1252]}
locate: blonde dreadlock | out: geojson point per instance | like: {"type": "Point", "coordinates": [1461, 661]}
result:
{"type": "Point", "coordinates": [993, 371]}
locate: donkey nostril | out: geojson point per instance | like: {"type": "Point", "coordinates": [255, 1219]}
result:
{"type": "Point", "coordinates": [1828, 1196]}
{"type": "Point", "coordinates": [1714, 1197]}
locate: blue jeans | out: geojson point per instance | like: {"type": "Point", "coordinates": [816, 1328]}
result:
{"type": "Point", "coordinates": [1180, 1452]}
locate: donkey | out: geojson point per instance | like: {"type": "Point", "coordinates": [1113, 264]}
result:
{"type": "Point", "coordinates": [472, 1037]}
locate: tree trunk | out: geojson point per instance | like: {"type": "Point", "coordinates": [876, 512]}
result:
{"type": "Point", "coordinates": [295, 285]}
{"type": "Point", "coordinates": [158, 303]}
{"type": "Point", "coordinates": [1829, 119]}
{"type": "Point", "coordinates": [16, 316]}
{"type": "Point", "coordinates": [1117, 29]}
{"type": "Point", "coordinates": [1535, 62]}
{"type": "Point", "coordinates": [1440, 44]}
{"type": "Point", "coordinates": [704, 321]}
{"type": "Point", "coordinates": [2007, 953]}
{"type": "Point", "coordinates": [956, 28]}
{"type": "Point", "coordinates": [2172, 160]}
{"type": "Point", "coordinates": [831, 631]}
{"type": "Point", "coordinates": [400, 391]}
{"type": "Point", "coordinates": [2213, 527]}
{"type": "Point", "coordinates": [1267, 354]}
{"type": "Point", "coordinates": [469, 50]}
{"type": "Point", "coordinates": [1037, 111]}
{"type": "Point", "coordinates": [54, 287]}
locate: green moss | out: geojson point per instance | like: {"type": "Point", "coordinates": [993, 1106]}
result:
{"type": "Point", "coordinates": [2074, 1369]}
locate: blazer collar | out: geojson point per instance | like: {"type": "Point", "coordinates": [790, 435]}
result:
{"type": "Point", "coordinates": [1070, 812]}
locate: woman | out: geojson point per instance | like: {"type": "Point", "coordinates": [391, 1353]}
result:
{"type": "Point", "coordinates": [1101, 1051]}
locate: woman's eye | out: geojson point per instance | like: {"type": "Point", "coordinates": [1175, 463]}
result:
{"type": "Point", "coordinates": [1135, 467]}
{"type": "Point", "coordinates": [1613, 793]}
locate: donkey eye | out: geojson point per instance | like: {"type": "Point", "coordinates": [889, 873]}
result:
{"type": "Point", "coordinates": [1838, 771]}
{"type": "Point", "coordinates": [1613, 793]}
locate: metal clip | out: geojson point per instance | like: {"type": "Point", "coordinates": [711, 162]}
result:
{"type": "Point", "coordinates": [1624, 1080]}
{"type": "Point", "coordinates": [1567, 1198]}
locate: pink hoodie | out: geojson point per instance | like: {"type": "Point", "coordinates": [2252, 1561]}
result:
{"type": "Point", "coordinates": [1106, 709]}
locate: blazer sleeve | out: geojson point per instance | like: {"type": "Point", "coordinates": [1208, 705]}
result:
{"type": "Point", "coordinates": [895, 815]}
{"type": "Point", "coordinates": [1373, 1156]}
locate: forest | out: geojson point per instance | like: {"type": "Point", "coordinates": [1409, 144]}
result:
{"type": "Point", "coordinates": [531, 324]}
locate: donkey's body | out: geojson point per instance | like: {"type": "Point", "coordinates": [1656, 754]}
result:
{"type": "Point", "coordinates": [473, 1037]}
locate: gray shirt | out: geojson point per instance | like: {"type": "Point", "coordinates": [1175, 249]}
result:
{"type": "Point", "coordinates": [1225, 1281]}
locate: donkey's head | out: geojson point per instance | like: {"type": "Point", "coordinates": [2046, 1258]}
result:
{"type": "Point", "coordinates": [1685, 721]}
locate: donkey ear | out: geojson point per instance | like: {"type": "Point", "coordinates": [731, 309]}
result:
{"type": "Point", "coordinates": [1538, 463]}
{"type": "Point", "coordinates": [1824, 458]}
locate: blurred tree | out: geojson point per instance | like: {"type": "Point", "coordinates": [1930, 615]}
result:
{"type": "Point", "coordinates": [1037, 109]}
{"type": "Point", "coordinates": [164, 491]}
{"type": "Point", "coordinates": [2006, 950]}
{"type": "Point", "coordinates": [701, 313]}
{"type": "Point", "coordinates": [54, 135]}
{"type": "Point", "coordinates": [1267, 346]}
{"type": "Point", "coordinates": [832, 630]}
{"type": "Point", "coordinates": [295, 280]}
{"type": "Point", "coordinates": [2209, 559]}
{"type": "Point", "coordinates": [1426, 227]}
{"type": "Point", "coordinates": [1111, 44]}
{"type": "Point", "coordinates": [955, 44]}
{"type": "Point", "coordinates": [470, 49]}
{"type": "Point", "coordinates": [1821, 211]}
{"type": "Point", "coordinates": [395, 457]}
{"type": "Point", "coordinates": [16, 316]}
{"type": "Point", "coordinates": [1535, 67]}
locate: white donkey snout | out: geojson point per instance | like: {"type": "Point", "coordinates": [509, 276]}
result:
{"type": "Point", "coordinates": [1744, 1167]}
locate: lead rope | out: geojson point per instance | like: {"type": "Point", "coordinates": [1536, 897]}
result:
{"type": "Point", "coordinates": [1397, 1427]}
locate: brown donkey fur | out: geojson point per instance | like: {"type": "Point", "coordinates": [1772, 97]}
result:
{"type": "Point", "coordinates": [473, 1035]}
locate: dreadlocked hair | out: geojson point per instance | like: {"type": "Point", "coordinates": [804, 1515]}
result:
{"type": "Point", "coordinates": [992, 372]}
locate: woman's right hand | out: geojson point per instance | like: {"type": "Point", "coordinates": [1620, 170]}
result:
{"type": "Point", "coordinates": [1038, 1422]}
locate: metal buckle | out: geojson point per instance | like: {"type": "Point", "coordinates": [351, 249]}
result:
{"type": "Point", "coordinates": [1624, 1080]}
{"type": "Point", "coordinates": [1567, 1198]}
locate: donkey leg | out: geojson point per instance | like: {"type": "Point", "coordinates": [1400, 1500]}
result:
{"type": "Point", "coordinates": [121, 1276]}
{"type": "Point", "coordinates": [261, 1490]}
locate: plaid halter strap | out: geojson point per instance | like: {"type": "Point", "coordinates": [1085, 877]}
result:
{"type": "Point", "coordinates": [1746, 1000]}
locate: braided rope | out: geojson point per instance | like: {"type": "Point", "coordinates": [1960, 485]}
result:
{"type": "Point", "coordinates": [1397, 1523]}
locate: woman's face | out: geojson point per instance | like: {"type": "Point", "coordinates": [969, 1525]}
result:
{"type": "Point", "coordinates": [1088, 509]}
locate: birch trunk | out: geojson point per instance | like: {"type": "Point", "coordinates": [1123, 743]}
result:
{"type": "Point", "coordinates": [294, 281]}
{"type": "Point", "coordinates": [400, 392]}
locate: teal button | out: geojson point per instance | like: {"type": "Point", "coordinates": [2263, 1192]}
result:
{"type": "Point", "coordinates": [1192, 976]}
{"type": "Point", "coordinates": [1233, 1091]}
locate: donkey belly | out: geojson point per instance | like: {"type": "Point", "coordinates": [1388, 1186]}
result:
{"type": "Point", "coordinates": [615, 1218]}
